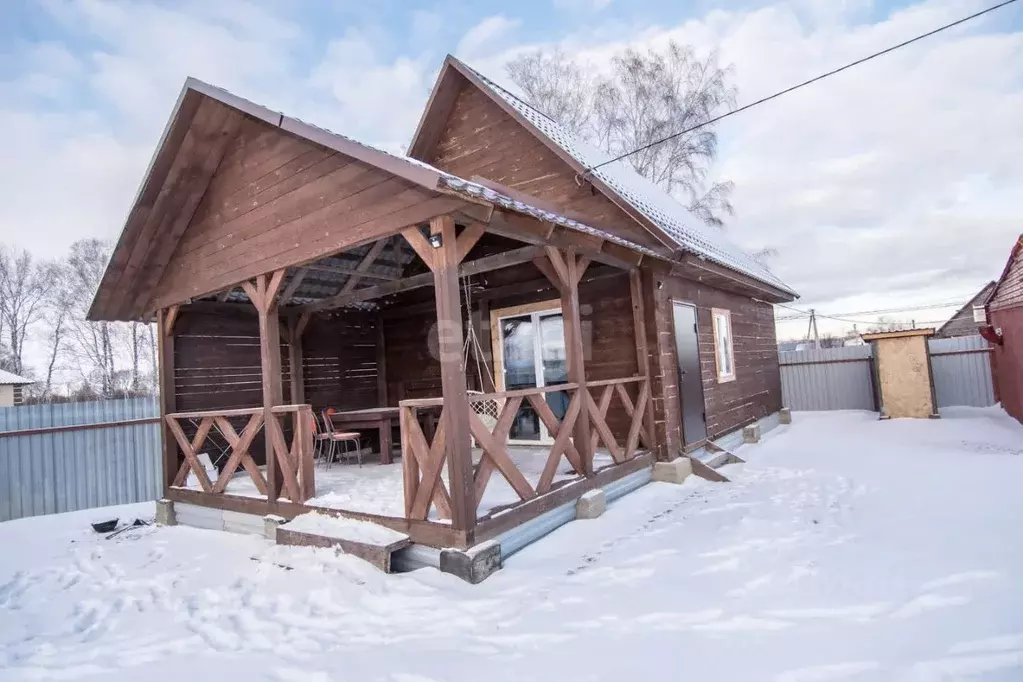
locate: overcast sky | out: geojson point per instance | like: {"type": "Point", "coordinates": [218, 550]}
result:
{"type": "Point", "coordinates": [895, 184]}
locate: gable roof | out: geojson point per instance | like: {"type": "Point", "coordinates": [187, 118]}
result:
{"type": "Point", "coordinates": [1003, 279]}
{"type": "Point", "coordinates": [186, 159]}
{"type": "Point", "coordinates": [644, 201]}
{"type": "Point", "coordinates": [962, 320]}
{"type": "Point", "coordinates": [7, 379]}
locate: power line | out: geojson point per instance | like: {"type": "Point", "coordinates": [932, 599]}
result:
{"type": "Point", "coordinates": [929, 306]}
{"type": "Point", "coordinates": [801, 85]}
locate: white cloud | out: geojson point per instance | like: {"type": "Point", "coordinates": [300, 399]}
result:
{"type": "Point", "coordinates": [894, 183]}
{"type": "Point", "coordinates": [487, 37]}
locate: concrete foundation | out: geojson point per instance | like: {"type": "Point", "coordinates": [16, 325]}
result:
{"type": "Point", "coordinates": [591, 505]}
{"type": "Point", "coordinates": [473, 565]}
{"type": "Point", "coordinates": [165, 513]}
{"type": "Point", "coordinates": [270, 525]}
{"type": "Point", "coordinates": [751, 433]}
{"type": "Point", "coordinates": [785, 416]}
{"type": "Point", "coordinates": [675, 471]}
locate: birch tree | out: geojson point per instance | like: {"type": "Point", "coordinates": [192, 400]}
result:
{"type": "Point", "coordinates": [24, 285]}
{"type": "Point", "coordinates": [642, 98]}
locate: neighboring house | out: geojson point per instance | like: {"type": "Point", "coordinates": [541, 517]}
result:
{"type": "Point", "coordinates": [1005, 331]}
{"type": "Point", "coordinates": [717, 301]}
{"type": "Point", "coordinates": [970, 318]}
{"type": "Point", "coordinates": [11, 386]}
{"type": "Point", "coordinates": [265, 245]}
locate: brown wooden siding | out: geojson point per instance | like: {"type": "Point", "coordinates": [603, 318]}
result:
{"type": "Point", "coordinates": [756, 390]}
{"type": "Point", "coordinates": [606, 311]}
{"type": "Point", "coordinates": [1010, 288]}
{"type": "Point", "coordinates": [277, 200]}
{"type": "Point", "coordinates": [481, 139]}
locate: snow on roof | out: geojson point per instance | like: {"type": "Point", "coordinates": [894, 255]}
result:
{"type": "Point", "coordinates": [6, 378]}
{"type": "Point", "coordinates": [691, 233]}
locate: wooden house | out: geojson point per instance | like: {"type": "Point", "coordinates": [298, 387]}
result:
{"type": "Point", "coordinates": [523, 326]}
{"type": "Point", "coordinates": [1005, 332]}
{"type": "Point", "coordinates": [968, 320]}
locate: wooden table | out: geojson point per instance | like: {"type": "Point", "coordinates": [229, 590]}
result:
{"type": "Point", "coordinates": [381, 419]}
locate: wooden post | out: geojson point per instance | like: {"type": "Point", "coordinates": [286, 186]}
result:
{"type": "Point", "coordinates": [574, 351]}
{"type": "Point", "coordinates": [449, 347]}
{"type": "Point", "coordinates": [168, 398]}
{"type": "Point", "coordinates": [295, 361]}
{"type": "Point", "coordinates": [381, 361]}
{"type": "Point", "coordinates": [642, 353]}
{"type": "Point", "coordinates": [263, 294]}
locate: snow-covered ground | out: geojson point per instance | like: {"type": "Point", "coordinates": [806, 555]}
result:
{"type": "Point", "coordinates": [845, 549]}
{"type": "Point", "coordinates": [377, 488]}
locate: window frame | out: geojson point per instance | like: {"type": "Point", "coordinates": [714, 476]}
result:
{"type": "Point", "coordinates": [717, 314]}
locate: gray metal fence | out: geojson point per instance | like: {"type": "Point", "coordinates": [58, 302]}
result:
{"type": "Point", "coordinates": [69, 456]}
{"type": "Point", "coordinates": [828, 379]}
{"type": "Point", "coordinates": [842, 378]}
{"type": "Point", "coordinates": [962, 371]}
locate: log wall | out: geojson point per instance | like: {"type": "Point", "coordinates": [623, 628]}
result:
{"type": "Point", "coordinates": [756, 390]}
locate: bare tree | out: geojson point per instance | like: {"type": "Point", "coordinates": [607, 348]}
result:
{"type": "Point", "coordinates": [555, 85]}
{"type": "Point", "coordinates": [92, 342]}
{"type": "Point", "coordinates": [60, 306]}
{"type": "Point", "coordinates": [24, 286]}
{"type": "Point", "coordinates": [645, 98]}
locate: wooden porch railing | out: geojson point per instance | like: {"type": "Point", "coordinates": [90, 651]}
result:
{"type": "Point", "coordinates": [423, 461]}
{"type": "Point", "coordinates": [295, 462]}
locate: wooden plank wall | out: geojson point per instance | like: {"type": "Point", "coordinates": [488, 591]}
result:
{"type": "Point", "coordinates": [756, 391]}
{"type": "Point", "coordinates": [606, 307]}
{"type": "Point", "coordinates": [481, 139]}
{"type": "Point", "coordinates": [217, 363]}
{"type": "Point", "coordinates": [277, 200]}
{"type": "Point", "coordinates": [339, 360]}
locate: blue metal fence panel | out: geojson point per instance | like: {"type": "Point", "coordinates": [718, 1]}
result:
{"type": "Point", "coordinates": [48, 473]}
{"type": "Point", "coordinates": [827, 379]}
{"type": "Point", "coordinates": [961, 368]}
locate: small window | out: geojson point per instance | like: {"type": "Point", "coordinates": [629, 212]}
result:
{"type": "Point", "coordinates": [724, 355]}
{"type": "Point", "coordinates": [978, 314]}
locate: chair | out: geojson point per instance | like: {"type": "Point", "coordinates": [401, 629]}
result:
{"type": "Point", "coordinates": [335, 437]}
{"type": "Point", "coordinates": [320, 439]}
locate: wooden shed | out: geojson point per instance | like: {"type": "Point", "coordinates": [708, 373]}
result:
{"type": "Point", "coordinates": [527, 343]}
{"type": "Point", "coordinates": [904, 381]}
{"type": "Point", "coordinates": [1005, 332]}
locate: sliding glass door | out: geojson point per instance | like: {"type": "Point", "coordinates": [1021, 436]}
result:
{"type": "Point", "coordinates": [533, 355]}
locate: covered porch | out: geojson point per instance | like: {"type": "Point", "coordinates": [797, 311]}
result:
{"type": "Point", "coordinates": [451, 442]}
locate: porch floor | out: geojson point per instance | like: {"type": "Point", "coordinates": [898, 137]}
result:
{"type": "Point", "coordinates": [376, 488]}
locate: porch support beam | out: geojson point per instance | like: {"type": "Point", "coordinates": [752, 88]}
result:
{"type": "Point", "coordinates": [295, 359]}
{"type": "Point", "coordinates": [263, 293]}
{"type": "Point", "coordinates": [453, 388]}
{"type": "Point", "coordinates": [564, 269]}
{"type": "Point", "coordinates": [642, 353]}
{"type": "Point", "coordinates": [476, 267]}
{"type": "Point", "coordinates": [168, 398]}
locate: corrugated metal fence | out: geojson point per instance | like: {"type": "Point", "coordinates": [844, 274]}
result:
{"type": "Point", "coordinates": [962, 371]}
{"type": "Point", "coordinates": [68, 456]}
{"type": "Point", "coordinates": [828, 379]}
{"type": "Point", "coordinates": [842, 378]}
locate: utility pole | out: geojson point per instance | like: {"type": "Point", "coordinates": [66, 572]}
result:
{"type": "Point", "coordinates": [813, 325]}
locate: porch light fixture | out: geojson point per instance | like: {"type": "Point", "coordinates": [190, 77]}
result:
{"type": "Point", "coordinates": [436, 240]}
